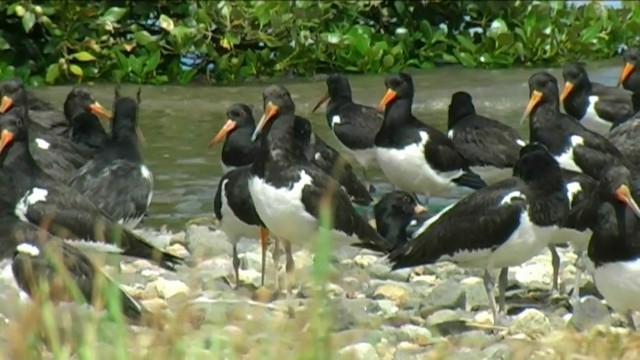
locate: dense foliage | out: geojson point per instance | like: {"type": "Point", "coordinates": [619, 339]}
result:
{"type": "Point", "coordinates": [222, 41]}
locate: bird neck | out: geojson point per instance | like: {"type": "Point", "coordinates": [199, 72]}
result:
{"type": "Point", "coordinates": [397, 113]}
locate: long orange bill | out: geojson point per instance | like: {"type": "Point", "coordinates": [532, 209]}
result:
{"type": "Point", "coordinates": [626, 71]}
{"type": "Point", "coordinates": [264, 242]}
{"type": "Point", "coordinates": [536, 97]}
{"type": "Point", "coordinates": [270, 110]}
{"type": "Point", "coordinates": [226, 129]}
{"type": "Point", "coordinates": [568, 88]}
{"type": "Point", "coordinates": [623, 194]}
{"type": "Point", "coordinates": [5, 104]}
{"type": "Point", "coordinates": [6, 138]}
{"type": "Point", "coordinates": [99, 110]}
{"type": "Point", "coordinates": [419, 209]}
{"type": "Point", "coordinates": [387, 98]}
{"type": "Point", "coordinates": [323, 100]}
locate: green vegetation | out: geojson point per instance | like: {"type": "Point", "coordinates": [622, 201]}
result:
{"type": "Point", "coordinates": [225, 41]}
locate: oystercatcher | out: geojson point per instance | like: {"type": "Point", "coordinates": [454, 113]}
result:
{"type": "Point", "coordinates": [571, 144]}
{"type": "Point", "coordinates": [234, 209]}
{"type": "Point", "coordinates": [501, 225]}
{"type": "Point", "coordinates": [414, 156]}
{"type": "Point", "coordinates": [490, 147]}
{"type": "Point", "coordinates": [629, 77]}
{"type": "Point", "coordinates": [116, 180]}
{"type": "Point", "coordinates": [393, 213]}
{"type": "Point", "coordinates": [64, 212]}
{"type": "Point", "coordinates": [289, 193]}
{"type": "Point", "coordinates": [238, 150]}
{"type": "Point", "coordinates": [595, 105]}
{"type": "Point", "coordinates": [354, 125]}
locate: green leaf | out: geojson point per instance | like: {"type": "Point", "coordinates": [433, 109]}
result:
{"type": "Point", "coordinates": [4, 45]}
{"type": "Point", "coordinates": [76, 70]}
{"type": "Point", "coordinates": [143, 37]}
{"type": "Point", "coordinates": [152, 62]}
{"type": "Point", "coordinates": [113, 14]}
{"type": "Point", "coordinates": [83, 56]}
{"type": "Point", "coordinates": [53, 72]}
{"type": "Point", "coordinates": [388, 61]}
{"type": "Point", "coordinates": [498, 26]}
{"type": "Point", "coordinates": [166, 22]}
{"type": "Point", "coordinates": [505, 39]}
{"type": "Point", "coordinates": [465, 59]}
{"type": "Point", "coordinates": [448, 58]}
{"type": "Point", "coordinates": [28, 20]}
{"type": "Point", "coordinates": [466, 43]}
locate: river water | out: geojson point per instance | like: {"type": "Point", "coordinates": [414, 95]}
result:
{"type": "Point", "coordinates": [179, 121]}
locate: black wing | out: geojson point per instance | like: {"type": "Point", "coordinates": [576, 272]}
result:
{"type": "Point", "coordinates": [359, 125]}
{"type": "Point", "coordinates": [478, 221]}
{"type": "Point", "coordinates": [118, 188]}
{"type": "Point", "coordinates": [625, 137]}
{"type": "Point", "coordinates": [238, 196]}
{"type": "Point", "coordinates": [614, 107]}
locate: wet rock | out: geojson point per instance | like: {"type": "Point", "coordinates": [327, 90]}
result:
{"type": "Point", "coordinates": [203, 243]}
{"type": "Point", "coordinates": [395, 292]}
{"type": "Point", "coordinates": [361, 351]}
{"type": "Point", "coordinates": [475, 294]}
{"type": "Point", "coordinates": [589, 312]}
{"type": "Point", "coordinates": [532, 323]}
{"type": "Point", "coordinates": [447, 295]}
{"type": "Point", "coordinates": [169, 288]}
{"type": "Point", "coordinates": [442, 316]}
{"type": "Point", "coordinates": [417, 334]}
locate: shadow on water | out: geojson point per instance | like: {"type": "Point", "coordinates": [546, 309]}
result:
{"type": "Point", "coordinates": [179, 121]}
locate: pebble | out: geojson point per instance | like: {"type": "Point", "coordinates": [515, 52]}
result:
{"type": "Point", "coordinates": [361, 351]}
{"type": "Point", "coordinates": [169, 288]}
{"type": "Point", "coordinates": [365, 260]}
{"type": "Point", "coordinates": [589, 312]}
{"type": "Point", "coordinates": [532, 275]}
{"type": "Point", "coordinates": [203, 243]}
{"type": "Point", "coordinates": [395, 292]}
{"type": "Point", "coordinates": [442, 316]}
{"type": "Point", "coordinates": [532, 323]}
{"type": "Point", "coordinates": [417, 334]}
{"type": "Point", "coordinates": [446, 295]}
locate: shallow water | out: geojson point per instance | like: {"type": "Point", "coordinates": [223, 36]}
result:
{"type": "Point", "coordinates": [179, 121]}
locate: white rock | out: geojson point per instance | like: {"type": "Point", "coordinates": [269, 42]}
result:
{"type": "Point", "coordinates": [168, 288]}
{"type": "Point", "coordinates": [418, 335]}
{"type": "Point", "coordinates": [533, 275]}
{"type": "Point", "coordinates": [427, 279]}
{"type": "Point", "coordinates": [365, 260]}
{"type": "Point", "coordinates": [483, 317]}
{"type": "Point", "coordinates": [361, 351]}
{"type": "Point", "coordinates": [532, 323]}
{"type": "Point", "coordinates": [388, 307]}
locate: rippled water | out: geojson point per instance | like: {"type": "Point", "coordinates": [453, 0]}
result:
{"type": "Point", "coordinates": [179, 121]}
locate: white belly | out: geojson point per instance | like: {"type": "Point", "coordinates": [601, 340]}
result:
{"type": "Point", "coordinates": [492, 174]}
{"type": "Point", "coordinates": [619, 283]}
{"type": "Point", "coordinates": [233, 227]}
{"type": "Point", "coordinates": [408, 169]}
{"type": "Point", "coordinates": [579, 240]}
{"type": "Point", "coordinates": [363, 157]}
{"type": "Point", "coordinates": [283, 213]}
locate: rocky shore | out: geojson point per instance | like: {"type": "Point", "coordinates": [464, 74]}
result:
{"type": "Point", "coordinates": [437, 311]}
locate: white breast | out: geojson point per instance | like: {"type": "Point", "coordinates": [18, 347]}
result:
{"type": "Point", "coordinates": [408, 169]}
{"type": "Point", "coordinates": [335, 120]}
{"type": "Point", "coordinates": [566, 158]}
{"type": "Point", "coordinates": [31, 197]}
{"type": "Point", "coordinates": [619, 283]}
{"type": "Point", "coordinates": [592, 121]}
{"type": "Point", "coordinates": [231, 225]}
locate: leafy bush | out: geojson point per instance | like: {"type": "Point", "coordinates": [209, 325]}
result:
{"type": "Point", "coordinates": [225, 41]}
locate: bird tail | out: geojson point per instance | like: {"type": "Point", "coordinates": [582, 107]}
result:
{"type": "Point", "coordinates": [130, 306]}
{"type": "Point", "coordinates": [136, 246]}
{"type": "Point", "coordinates": [370, 239]}
{"type": "Point", "coordinates": [471, 180]}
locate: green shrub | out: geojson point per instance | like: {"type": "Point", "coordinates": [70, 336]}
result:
{"type": "Point", "coordinates": [226, 41]}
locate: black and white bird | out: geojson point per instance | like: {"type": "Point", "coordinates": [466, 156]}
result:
{"type": "Point", "coordinates": [56, 155]}
{"type": "Point", "coordinates": [629, 76]}
{"type": "Point", "coordinates": [414, 156]}
{"type": "Point", "coordinates": [354, 125]}
{"type": "Point", "coordinates": [289, 193]}
{"type": "Point", "coordinates": [116, 180]}
{"type": "Point", "coordinates": [237, 150]}
{"type": "Point", "coordinates": [48, 203]}
{"type": "Point", "coordinates": [490, 147]}
{"type": "Point", "coordinates": [234, 209]}
{"type": "Point", "coordinates": [571, 144]}
{"type": "Point", "coordinates": [614, 247]}
{"type": "Point", "coordinates": [595, 105]}
{"type": "Point", "coordinates": [37, 262]}
{"type": "Point", "coordinates": [393, 213]}
{"type": "Point", "coordinates": [501, 225]}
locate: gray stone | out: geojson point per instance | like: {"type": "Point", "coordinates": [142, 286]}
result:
{"type": "Point", "coordinates": [379, 271]}
{"type": "Point", "coordinates": [447, 295]}
{"type": "Point", "coordinates": [588, 312]}
{"type": "Point", "coordinates": [532, 323]}
{"type": "Point", "coordinates": [204, 243]}
{"type": "Point", "coordinates": [394, 291]}
{"type": "Point", "coordinates": [361, 351]}
{"type": "Point", "coordinates": [534, 275]}
{"type": "Point", "coordinates": [475, 294]}
{"type": "Point", "coordinates": [387, 307]}
{"type": "Point", "coordinates": [442, 316]}
{"type": "Point", "coordinates": [348, 313]}
{"type": "Point", "coordinates": [466, 354]}
{"type": "Point", "coordinates": [498, 351]}
{"type": "Point", "coordinates": [417, 334]}
{"type": "Point", "coordinates": [408, 351]}
{"type": "Point", "coordinates": [401, 275]}
{"type": "Point", "coordinates": [474, 339]}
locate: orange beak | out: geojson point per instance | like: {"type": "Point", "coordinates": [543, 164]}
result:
{"type": "Point", "coordinates": [568, 88]}
{"type": "Point", "coordinates": [5, 104]}
{"type": "Point", "coordinates": [536, 97]}
{"type": "Point", "coordinates": [626, 71]}
{"type": "Point", "coordinates": [270, 110]}
{"type": "Point", "coordinates": [6, 138]}
{"type": "Point", "coordinates": [99, 110]}
{"type": "Point", "coordinates": [323, 100]}
{"type": "Point", "coordinates": [387, 98]}
{"type": "Point", "coordinates": [226, 129]}
{"type": "Point", "coordinates": [419, 209]}
{"type": "Point", "coordinates": [623, 194]}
